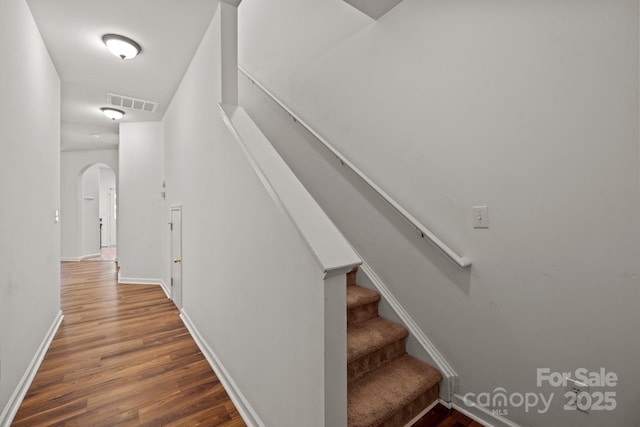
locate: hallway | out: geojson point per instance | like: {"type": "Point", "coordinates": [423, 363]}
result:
{"type": "Point", "coordinates": [122, 356]}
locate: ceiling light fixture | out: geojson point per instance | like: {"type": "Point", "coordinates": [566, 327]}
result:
{"type": "Point", "coordinates": [112, 113]}
{"type": "Point", "coordinates": [121, 46]}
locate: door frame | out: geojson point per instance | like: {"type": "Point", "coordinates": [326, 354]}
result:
{"type": "Point", "coordinates": [111, 217]}
{"type": "Point", "coordinates": [175, 297]}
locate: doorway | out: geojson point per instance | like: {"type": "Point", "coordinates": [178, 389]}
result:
{"type": "Point", "coordinates": [99, 212]}
{"type": "Point", "coordinates": [176, 255]}
{"type": "Point", "coordinates": [108, 207]}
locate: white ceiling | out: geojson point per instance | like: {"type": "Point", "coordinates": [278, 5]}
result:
{"type": "Point", "coordinates": [169, 32]}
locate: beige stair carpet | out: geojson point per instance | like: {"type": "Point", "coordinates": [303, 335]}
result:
{"type": "Point", "coordinates": [386, 386]}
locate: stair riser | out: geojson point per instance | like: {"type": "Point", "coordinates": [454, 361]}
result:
{"type": "Point", "coordinates": [373, 360]}
{"type": "Point", "coordinates": [411, 410]}
{"type": "Point", "coordinates": [362, 313]}
{"type": "Point", "coordinates": [351, 277]}
{"type": "Point", "coordinates": [386, 386]}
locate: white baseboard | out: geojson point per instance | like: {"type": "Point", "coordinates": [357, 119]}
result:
{"type": "Point", "coordinates": [449, 384]}
{"type": "Point", "coordinates": [422, 414]}
{"type": "Point", "coordinates": [138, 281]}
{"type": "Point", "coordinates": [241, 403]}
{"type": "Point", "coordinates": [81, 258]}
{"type": "Point", "coordinates": [143, 281]}
{"type": "Point", "coordinates": [165, 288]}
{"type": "Point", "coordinates": [11, 409]}
{"type": "Point", "coordinates": [480, 414]}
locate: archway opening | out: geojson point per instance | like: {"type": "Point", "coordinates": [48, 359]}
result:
{"type": "Point", "coordinates": [99, 212]}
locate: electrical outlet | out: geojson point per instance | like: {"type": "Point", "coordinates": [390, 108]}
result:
{"type": "Point", "coordinates": [578, 395]}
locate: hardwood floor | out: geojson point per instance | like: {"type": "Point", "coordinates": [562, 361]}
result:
{"type": "Point", "coordinates": [122, 357]}
{"type": "Point", "coordinates": [440, 416]}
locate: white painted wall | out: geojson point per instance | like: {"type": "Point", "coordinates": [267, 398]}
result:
{"type": "Point", "coordinates": [140, 215]}
{"type": "Point", "coordinates": [250, 285]}
{"type": "Point", "coordinates": [107, 213]}
{"type": "Point", "coordinates": [73, 165]}
{"type": "Point", "coordinates": [29, 191]}
{"type": "Point", "coordinates": [528, 107]}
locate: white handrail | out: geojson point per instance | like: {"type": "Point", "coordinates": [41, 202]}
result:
{"type": "Point", "coordinates": [461, 261]}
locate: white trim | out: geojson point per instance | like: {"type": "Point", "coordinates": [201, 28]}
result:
{"type": "Point", "coordinates": [445, 403]}
{"type": "Point", "coordinates": [81, 258]}
{"type": "Point", "coordinates": [175, 245]}
{"type": "Point", "coordinates": [326, 243]}
{"type": "Point", "coordinates": [241, 403]}
{"type": "Point", "coordinates": [450, 377]}
{"type": "Point", "coordinates": [480, 414]}
{"type": "Point", "coordinates": [138, 281]}
{"type": "Point", "coordinates": [11, 409]}
{"type": "Point", "coordinates": [174, 207]}
{"type": "Point", "coordinates": [423, 413]}
{"type": "Point", "coordinates": [165, 288]}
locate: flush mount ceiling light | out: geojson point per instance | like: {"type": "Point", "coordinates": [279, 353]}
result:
{"type": "Point", "coordinates": [121, 46]}
{"type": "Point", "coordinates": [112, 113]}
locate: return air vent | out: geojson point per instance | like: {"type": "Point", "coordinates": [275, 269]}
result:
{"type": "Point", "coordinates": [131, 103]}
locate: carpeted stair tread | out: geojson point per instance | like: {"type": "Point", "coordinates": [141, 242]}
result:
{"type": "Point", "coordinates": [382, 393]}
{"type": "Point", "coordinates": [367, 337]}
{"type": "Point", "coordinates": [386, 386]}
{"type": "Point", "coordinates": [358, 296]}
{"type": "Point", "coordinates": [362, 304]}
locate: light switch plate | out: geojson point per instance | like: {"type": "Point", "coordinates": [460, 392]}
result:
{"type": "Point", "coordinates": [480, 217]}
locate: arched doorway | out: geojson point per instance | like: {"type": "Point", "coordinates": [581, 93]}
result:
{"type": "Point", "coordinates": [99, 212]}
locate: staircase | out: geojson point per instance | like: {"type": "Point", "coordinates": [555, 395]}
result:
{"type": "Point", "coordinates": [386, 386]}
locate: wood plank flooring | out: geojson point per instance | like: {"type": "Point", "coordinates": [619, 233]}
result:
{"type": "Point", "coordinates": [440, 416]}
{"type": "Point", "coordinates": [122, 356]}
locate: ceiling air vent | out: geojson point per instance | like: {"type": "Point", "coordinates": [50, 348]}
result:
{"type": "Point", "coordinates": [131, 103]}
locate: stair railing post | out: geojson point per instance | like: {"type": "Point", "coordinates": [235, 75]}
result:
{"type": "Point", "coordinates": [335, 345]}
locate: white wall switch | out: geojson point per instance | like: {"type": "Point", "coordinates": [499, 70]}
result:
{"type": "Point", "coordinates": [56, 217]}
{"type": "Point", "coordinates": [480, 217]}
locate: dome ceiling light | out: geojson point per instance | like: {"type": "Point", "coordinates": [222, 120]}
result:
{"type": "Point", "coordinates": [112, 113]}
{"type": "Point", "coordinates": [121, 46]}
